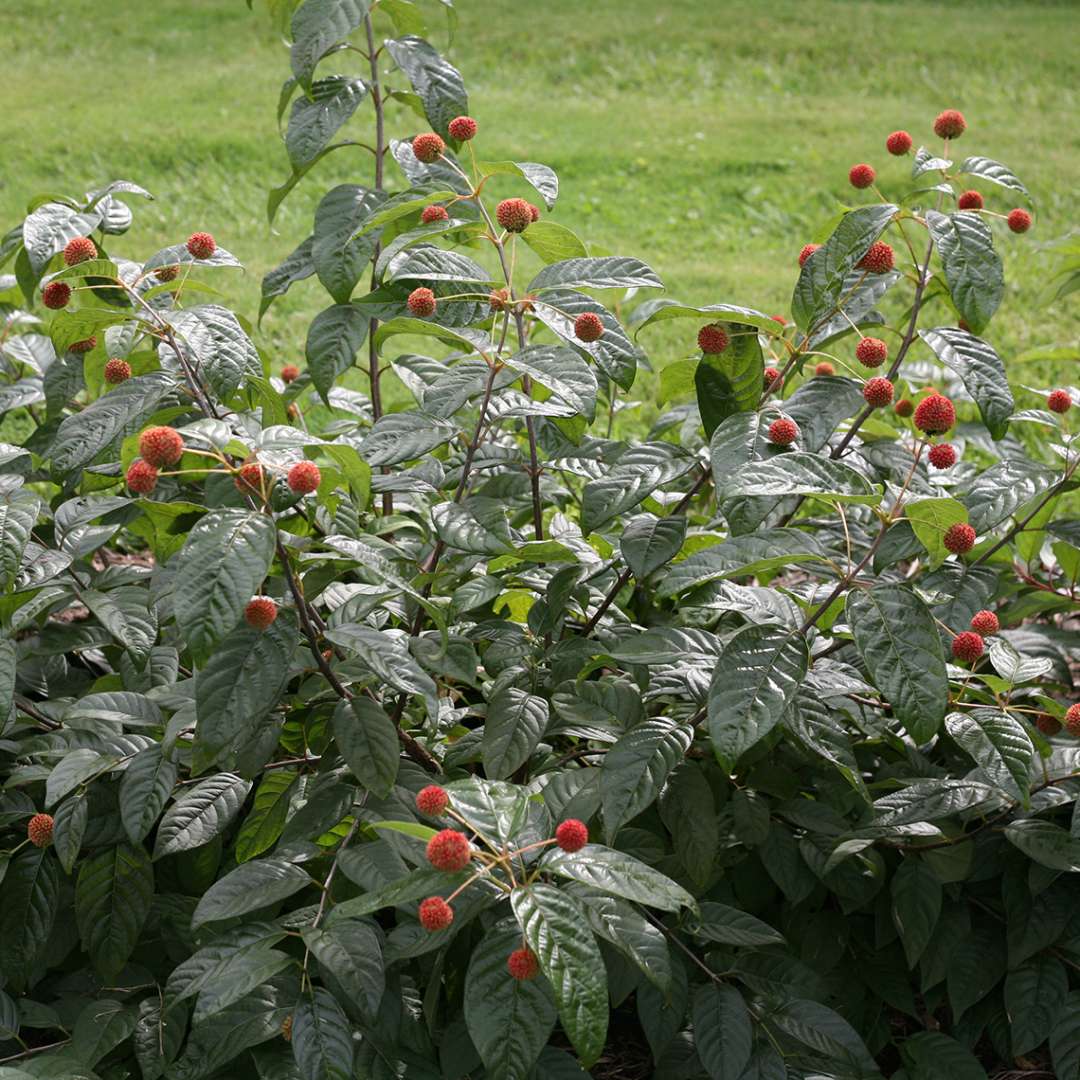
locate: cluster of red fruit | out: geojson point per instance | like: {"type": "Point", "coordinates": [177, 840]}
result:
{"type": "Point", "coordinates": [969, 645]}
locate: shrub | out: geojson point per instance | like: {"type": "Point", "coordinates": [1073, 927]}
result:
{"type": "Point", "coordinates": [468, 739]}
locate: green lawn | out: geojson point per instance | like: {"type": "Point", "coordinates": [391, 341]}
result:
{"type": "Point", "coordinates": [709, 137]}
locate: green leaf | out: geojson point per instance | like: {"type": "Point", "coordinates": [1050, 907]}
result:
{"type": "Point", "coordinates": [157, 1037]}
{"type": "Point", "coordinates": [731, 381]}
{"type": "Point", "coordinates": [1046, 843]}
{"type": "Point", "coordinates": [635, 768]}
{"type": "Point", "coordinates": [716, 313]}
{"type": "Point", "coordinates": [316, 27]}
{"type": "Point", "coordinates": [609, 272]}
{"type": "Point", "coordinates": [826, 1033]}
{"type": "Point", "coordinates": [74, 768]}
{"type": "Point", "coordinates": [562, 371]}
{"type": "Point", "coordinates": [405, 436]}
{"type": "Point", "coordinates": [611, 871]}
{"type": "Point", "coordinates": [221, 566]}
{"type": "Point", "coordinates": [930, 800]}
{"type": "Point", "coordinates": [930, 519]}
{"type": "Point", "coordinates": [621, 490]}
{"type": "Point", "coordinates": [514, 725]}
{"type": "Point", "coordinates": [315, 119]}
{"type": "Point", "coordinates": [69, 828]}
{"type": "Point", "coordinates": [297, 266]}
{"type": "Point", "coordinates": [201, 814]}
{"type": "Point", "coordinates": [49, 227]}
{"type": "Point", "coordinates": [542, 178]}
{"type": "Point", "coordinates": [145, 787]}
{"type": "Point", "coordinates": [819, 405]}
{"type": "Point", "coordinates": [322, 1037]}
{"type": "Point", "coordinates": [338, 258]}
{"type": "Point", "coordinates": [387, 658]}
{"type": "Point", "coordinates": [556, 929]}
{"type": "Point", "coordinates": [251, 886]}
{"type": "Point", "coordinates": [112, 899]}
{"type": "Point", "coordinates": [723, 1034]}
{"type": "Point", "coordinates": [236, 977]}
{"type": "Point", "coordinates": [1000, 746]}
{"type": "Point", "coordinates": [18, 513]}
{"type": "Point", "coordinates": [988, 169]}
{"type": "Point", "coordinates": [368, 741]}
{"type": "Point", "coordinates": [436, 81]}
{"type": "Point", "coordinates": [553, 242]}
{"type": "Point", "coordinates": [333, 339]}
{"type": "Point", "coordinates": [125, 614]}
{"type": "Point", "coordinates": [972, 267]}
{"type": "Point", "coordinates": [932, 1054]}
{"type": "Point", "coordinates": [689, 814]}
{"type": "Point", "coordinates": [899, 642]}
{"type": "Point", "coordinates": [262, 827]}
{"type": "Point", "coordinates": [999, 491]}
{"type": "Point", "coordinates": [619, 922]}
{"type": "Point", "coordinates": [649, 542]}
{"type": "Point", "coordinates": [427, 262]}
{"type": "Point", "coordinates": [754, 680]}
{"type": "Point", "coordinates": [509, 1020]}
{"type": "Point", "coordinates": [31, 889]}
{"type": "Point", "coordinates": [492, 807]}
{"type": "Point", "coordinates": [101, 1027]}
{"type": "Point", "coordinates": [801, 474]}
{"type": "Point", "coordinates": [981, 371]}
{"type": "Point", "coordinates": [1065, 1040]}
{"type": "Point", "coordinates": [351, 952]}
{"type": "Point", "coordinates": [916, 905]}
{"type": "Point", "coordinates": [1035, 992]}
{"type": "Point", "coordinates": [216, 346]}
{"type": "Point", "coordinates": [731, 926]}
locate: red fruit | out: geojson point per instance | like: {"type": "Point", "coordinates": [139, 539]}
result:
{"type": "Point", "coordinates": [967, 646]}
{"type": "Point", "coordinates": [79, 347]}
{"type": "Point", "coordinates": [588, 326]}
{"type": "Point", "coordinates": [260, 612]}
{"type": "Point", "coordinates": [1072, 719]}
{"type": "Point", "coordinates": [871, 352]}
{"type": "Point", "coordinates": [878, 393]}
{"type": "Point", "coordinates": [434, 213]}
{"type": "Point", "coordinates": [161, 446]}
{"type": "Point", "coordinates": [428, 147]}
{"type": "Point", "coordinates": [290, 373]}
{"type": "Point", "coordinates": [421, 302]}
{"type": "Point", "coordinates": [959, 538]}
{"type": "Point", "coordinates": [514, 215]}
{"type": "Point", "coordinates": [433, 800]}
{"type": "Point", "coordinates": [712, 339]}
{"type": "Point", "coordinates": [462, 128]}
{"type": "Point", "coordinates": [780, 319]}
{"type": "Point", "coordinates": [771, 376]}
{"type": "Point", "coordinates": [806, 252]}
{"type": "Point", "coordinates": [950, 124]}
{"type": "Point", "coordinates": [1019, 220]}
{"type": "Point", "coordinates": [435, 914]}
{"type": "Point", "coordinates": [56, 295]}
{"type": "Point", "coordinates": [141, 477]}
{"type": "Point", "coordinates": [39, 830]}
{"type": "Point", "coordinates": [824, 368]}
{"type": "Point", "coordinates": [534, 212]}
{"type": "Point", "coordinates": [942, 456]}
{"type": "Point", "coordinates": [970, 200]}
{"type": "Point", "coordinates": [201, 245]}
{"type": "Point", "coordinates": [117, 371]}
{"type": "Point", "coordinates": [449, 850]}
{"type": "Point", "coordinates": [249, 479]}
{"type": "Point", "coordinates": [783, 431]}
{"type": "Point", "coordinates": [79, 250]}
{"type": "Point", "coordinates": [304, 477]}
{"type": "Point", "coordinates": [1059, 401]}
{"type": "Point", "coordinates": [935, 414]}
{"type": "Point", "coordinates": [572, 835]}
{"type": "Point", "coordinates": [985, 623]}
{"type": "Point", "coordinates": [498, 299]}
{"type": "Point", "coordinates": [904, 407]}
{"type": "Point", "coordinates": [861, 176]}
{"type": "Point", "coordinates": [166, 273]}
{"type": "Point", "coordinates": [898, 143]}
{"type": "Point", "coordinates": [878, 259]}
{"type": "Point", "coordinates": [1047, 724]}
{"type": "Point", "coordinates": [522, 964]}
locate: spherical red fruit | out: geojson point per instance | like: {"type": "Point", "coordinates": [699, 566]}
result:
{"type": "Point", "coordinates": [304, 477]}
{"type": "Point", "coordinates": [935, 414]}
{"type": "Point", "coordinates": [433, 800]}
{"type": "Point", "coordinates": [167, 273]}
{"type": "Point", "coordinates": [950, 124]}
{"type": "Point", "coordinates": [1072, 719]}
{"type": "Point", "coordinates": [1019, 220]}
{"type": "Point", "coordinates": [861, 175]}
{"type": "Point", "coordinates": [959, 538]}
{"type": "Point", "coordinates": [824, 368]}
{"type": "Point", "coordinates": [79, 250]}
{"type": "Point", "coordinates": [878, 393]}
{"type": "Point", "coordinates": [428, 147]}
{"type": "Point", "coordinates": [879, 258]}
{"type": "Point", "coordinates": [572, 835]}
{"type": "Point", "coordinates": [435, 914]}
{"type": "Point", "coordinates": [1059, 401]}
{"type": "Point", "coordinates": [260, 612]}
{"type": "Point", "coordinates": [434, 213]}
{"type": "Point", "coordinates": [84, 346]}
{"type": "Point", "coordinates": [782, 320]}
{"type": "Point", "coordinates": [588, 326]}
{"type": "Point", "coordinates": [783, 431]}
{"type": "Point", "coordinates": [898, 143]}
{"type": "Point", "coordinates": [161, 446]}
{"type": "Point", "coordinates": [421, 302]}
{"type": "Point", "coordinates": [967, 646]}
{"type": "Point", "coordinates": [712, 339]}
{"type": "Point", "coordinates": [771, 376]}
{"type": "Point", "coordinates": [514, 215]}
{"type": "Point", "coordinates": [522, 964]}
{"type": "Point", "coordinates": [985, 622]}
{"type": "Point", "coordinates": [904, 407]}
{"type": "Point", "coordinates": [290, 373]}
{"type": "Point", "coordinates": [871, 352]}
{"type": "Point", "coordinates": [56, 295]}
{"type": "Point", "coordinates": [807, 251]}
{"type": "Point", "coordinates": [249, 479]}
{"type": "Point", "coordinates": [449, 850]}
{"type": "Point", "coordinates": [942, 456]}
{"type": "Point", "coordinates": [1047, 724]}
{"type": "Point", "coordinates": [117, 371]}
{"type": "Point", "coordinates": [970, 200]}
{"type": "Point", "coordinates": [462, 128]}
{"type": "Point", "coordinates": [39, 830]}
{"type": "Point", "coordinates": [141, 477]}
{"type": "Point", "coordinates": [534, 212]}
{"type": "Point", "coordinates": [201, 245]}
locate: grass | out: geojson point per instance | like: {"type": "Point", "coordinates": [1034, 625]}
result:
{"type": "Point", "coordinates": [710, 139]}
